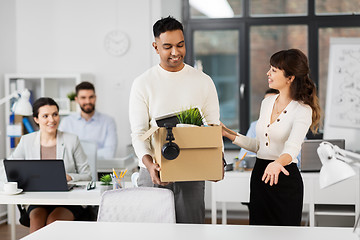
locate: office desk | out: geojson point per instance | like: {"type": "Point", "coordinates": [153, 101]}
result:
{"type": "Point", "coordinates": [77, 196]}
{"type": "Point", "coordinates": [60, 230]}
{"type": "Point", "coordinates": [236, 188]}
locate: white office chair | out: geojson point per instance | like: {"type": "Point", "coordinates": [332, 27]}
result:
{"type": "Point", "coordinates": [141, 204]}
{"type": "Point", "coordinates": [90, 149]}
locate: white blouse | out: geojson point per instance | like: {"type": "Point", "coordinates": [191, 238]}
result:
{"type": "Point", "coordinates": [284, 135]}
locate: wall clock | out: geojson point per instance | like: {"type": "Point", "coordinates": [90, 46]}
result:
{"type": "Point", "coordinates": [116, 43]}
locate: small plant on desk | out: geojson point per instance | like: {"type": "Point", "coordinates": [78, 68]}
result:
{"type": "Point", "coordinates": [106, 180]}
{"type": "Point", "coordinates": [71, 96]}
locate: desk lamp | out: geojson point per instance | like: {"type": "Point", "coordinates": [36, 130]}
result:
{"type": "Point", "coordinates": [22, 106]}
{"type": "Point", "coordinates": [337, 166]}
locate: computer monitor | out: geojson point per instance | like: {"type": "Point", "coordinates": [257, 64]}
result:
{"type": "Point", "coordinates": [310, 161]}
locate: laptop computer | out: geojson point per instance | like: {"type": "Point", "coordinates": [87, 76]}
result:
{"type": "Point", "coordinates": [310, 161]}
{"type": "Point", "coordinates": [37, 175]}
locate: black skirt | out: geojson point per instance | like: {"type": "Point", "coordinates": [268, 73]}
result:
{"type": "Point", "coordinates": [280, 204]}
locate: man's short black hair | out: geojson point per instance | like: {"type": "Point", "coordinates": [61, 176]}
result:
{"type": "Point", "coordinates": [84, 85]}
{"type": "Point", "coordinates": [166, 24]}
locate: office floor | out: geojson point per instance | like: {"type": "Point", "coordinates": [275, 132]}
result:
{"type": "Point", "coordinates": [229, 221]}
{"type": "Point", "coordinates": [21, 231]}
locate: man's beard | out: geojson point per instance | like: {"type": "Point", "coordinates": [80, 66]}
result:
{"type": "Point", "coordinates": [88, 110]}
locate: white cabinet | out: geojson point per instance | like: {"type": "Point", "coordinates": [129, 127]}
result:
{"type": "Point", "coordinates": [56, 86]}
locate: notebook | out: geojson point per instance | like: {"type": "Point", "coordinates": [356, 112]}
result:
{"type": "Point", "coordinates": [37, 175]}
{"type": "Point", "coordinates": [310, 161]}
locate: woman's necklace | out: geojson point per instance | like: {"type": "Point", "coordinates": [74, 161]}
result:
{"type": "Point", "coordinates": [277, 110]}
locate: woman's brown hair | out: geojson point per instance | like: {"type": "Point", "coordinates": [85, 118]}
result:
{"type": "Point", "coordinates": [294, 63]}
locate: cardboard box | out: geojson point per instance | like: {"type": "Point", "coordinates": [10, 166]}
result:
{"type": "Point", "coordinates": [200, 155]}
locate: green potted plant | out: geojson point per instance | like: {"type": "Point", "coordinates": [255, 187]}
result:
{"type": "Point", "coordinates": [190, 117]}
{"type": "Point", "coordinates": [106, 179]}
{"type": "Point", "coordinates": [106, 182]}
{"type": "Point", "coordinates": [71, 96]}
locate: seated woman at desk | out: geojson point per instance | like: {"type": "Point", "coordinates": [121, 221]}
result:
{"type": "Point", "coordinates": [50, 143]}
{"type": "Point", "coordinates": [276, 186]}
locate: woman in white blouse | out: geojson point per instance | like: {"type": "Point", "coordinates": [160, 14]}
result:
{"type": "Point", "coordinates": [276, 188]}
{"type": "Point", "coordinates": [50, 143]}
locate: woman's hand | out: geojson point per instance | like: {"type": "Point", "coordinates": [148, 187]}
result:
{"type": "Point", "coordinates": [228, 133]}
{"type": "Point", "coordinates": [68, 178]}
{"type": "Point", "coordinates": [272, 172]}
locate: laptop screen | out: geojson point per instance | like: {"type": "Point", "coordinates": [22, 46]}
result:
{"type": "Point", "coordinates": [37, 175]}
{"type": "Point", "coordinates": [310, 161]}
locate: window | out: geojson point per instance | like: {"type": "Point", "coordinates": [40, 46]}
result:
{"type": "Point", "coordinates": [264, 41]}
{"type": "Point", "coordinates": [331, 7]}
{"type": "Point", "coordinates": [262, 27]}
{"type": "Point", "coordinates": [215, 8]}
{"type": "Point", "coordinates": [278, 7]}
{"type": "Point", "coordinates": [216, 53]}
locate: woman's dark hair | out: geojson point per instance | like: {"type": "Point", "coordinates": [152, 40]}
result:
{"type": "Point", "coordinates": [166, 24]}
{"type": "Point", "coordinates": [43, 102]}
{"type": "Point", "coordinates": [294, 63]}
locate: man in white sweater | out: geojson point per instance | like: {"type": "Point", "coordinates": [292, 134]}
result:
{"type": "Point", "coordinates": [169, 87]}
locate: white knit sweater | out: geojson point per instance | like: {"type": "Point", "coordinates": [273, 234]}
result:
{"type": "Point", "coordinates": [158, 92]}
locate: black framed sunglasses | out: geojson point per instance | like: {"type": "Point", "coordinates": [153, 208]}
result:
{"type": "Point", "coordinates": [91, 185]}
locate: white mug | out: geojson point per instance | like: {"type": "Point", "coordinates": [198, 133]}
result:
{"type": "Point", "coordinates": [10, 187]}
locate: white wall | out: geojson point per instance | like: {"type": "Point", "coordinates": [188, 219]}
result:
{"type": "Point", "coordinates": [7, 56]}
{"type": "Point", "coordinates": [7, 64]}
{"type": "Point", "coordinates": [66, 36]}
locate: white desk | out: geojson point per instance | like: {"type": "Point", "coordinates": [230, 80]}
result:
{"type": "Point", "coordinates": [77, 196]}
{"type": "Point", "coordinates": [60, 230]}
{"type": "Point", "coordinates": [236, 188]}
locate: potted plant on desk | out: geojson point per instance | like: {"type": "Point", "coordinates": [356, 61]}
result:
{"type": "Point", "coordinates": [71, 96]}
{"type": "Point", "coordinates": [106, 183]}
